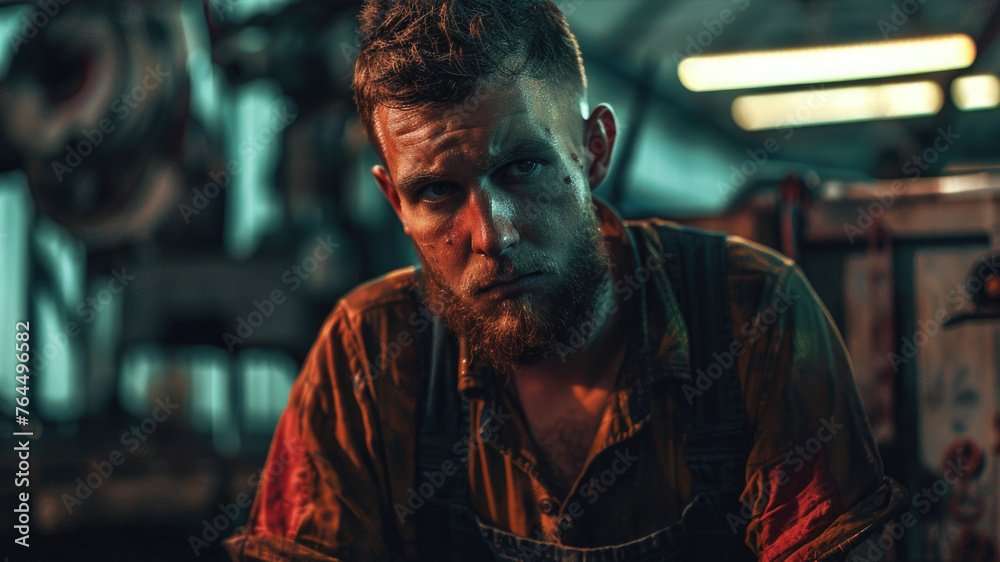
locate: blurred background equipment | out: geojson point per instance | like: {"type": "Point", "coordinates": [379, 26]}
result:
{"type": "Point", "coordinates": [184, 194]}
{"type": "Point", "coordinates": [985, 273]}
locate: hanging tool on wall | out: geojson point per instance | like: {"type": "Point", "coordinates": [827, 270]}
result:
{"type": "Point", "coordinates": [794, 199]}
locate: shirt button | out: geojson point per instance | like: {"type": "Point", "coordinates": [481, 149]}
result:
{"type": "Point", "coordinates": [547, 506]}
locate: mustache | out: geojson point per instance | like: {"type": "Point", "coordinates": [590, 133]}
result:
{"type": "Point", "coordinates": [490, 271]}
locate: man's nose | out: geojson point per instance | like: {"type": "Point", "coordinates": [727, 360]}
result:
{"type": "Point", "coordinates": [491, 217]}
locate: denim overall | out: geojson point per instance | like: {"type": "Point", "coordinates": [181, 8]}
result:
{"type": "Point", "coordinates": [715, 442]}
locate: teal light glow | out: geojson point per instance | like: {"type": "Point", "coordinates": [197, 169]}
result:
{"type": "Point", "coordinates": [206, 83]}
{"type": "Point", "coordinates": [57, 296]}
{"type": "Point", "coordinates": [15, 216]}
{"type": "Point", "coordinates": [211, 403]}
{"type": "Point", "coordinates": [58, 382]}
{"type": "Point", "coordinates": [139, 366]}
{"type": "Point", "coordinates": [235, 11]}
{"type": "Point", "coordinates": [254, 129]}
{"type": "Point", "coordinates": [267, 378]}
{"type": "Point", "coordinates": [681, 170]}
{"type": "Point", "coordinates": [11, 24]}
{"type": "Point", "coordinates": [64, 258]}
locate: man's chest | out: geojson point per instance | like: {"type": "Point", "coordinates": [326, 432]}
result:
{"type": "Point", "coordinates": [564, 426]}
{"type": "Point", "coordinates": [601, 464]}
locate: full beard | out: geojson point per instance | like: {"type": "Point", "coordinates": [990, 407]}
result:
{"type": "Point", "coordinates": [529, 327]}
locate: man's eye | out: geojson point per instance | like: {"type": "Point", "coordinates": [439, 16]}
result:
{"type": "Point", "coordinates": [435, 191]}
{"type": "Point", "coordinates": [527, 166]}
{"type": "Point", "coordinates": [525, 169]}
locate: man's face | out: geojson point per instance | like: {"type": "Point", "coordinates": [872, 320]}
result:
{"type": "Point", "coordinates": [495, 195]}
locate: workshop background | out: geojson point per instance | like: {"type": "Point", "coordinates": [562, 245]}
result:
{"type": "Point", "coordinates": [184, 194]}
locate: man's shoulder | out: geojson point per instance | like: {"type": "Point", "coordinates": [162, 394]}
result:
{"type": "Point", "coordinates": [379, 306]}
{"type": "Point", "coordinates": [391, 290]}
{"type": "Point", "coordinates": [747, 257]}
{"type": "Point", "coordinates": [744, 257]}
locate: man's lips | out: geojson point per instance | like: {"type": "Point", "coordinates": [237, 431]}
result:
{"type": "Point", "coordinates": [509, 284]}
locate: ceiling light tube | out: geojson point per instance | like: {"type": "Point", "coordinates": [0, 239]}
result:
{"type": "Point", "coordinates": [818, 65]}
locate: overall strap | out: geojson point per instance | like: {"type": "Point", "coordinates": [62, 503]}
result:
{"type": "Point", "coordinates": [445, 530]}
{"type": "Point", "coordinates": [716, 431]}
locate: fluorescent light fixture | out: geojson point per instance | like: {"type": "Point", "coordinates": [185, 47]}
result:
{"type": "Point", "coordinates": [839, 105]}
{"type": "Point", "coordinates": [826, 64]}
{"type": "Point", "coordinates": [967, 183]}
{"type": "Point", "coordinates": [977, 91]}
{"type": "Point", "coordinates": [914, 187]}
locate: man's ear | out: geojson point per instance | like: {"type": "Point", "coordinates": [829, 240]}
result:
{"type": "Point", "coordinates": [388, 188]}
{"type": "Point", "coordinates": [599, 134]}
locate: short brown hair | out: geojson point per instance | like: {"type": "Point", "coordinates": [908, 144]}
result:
{"type": "Point", "coordinates": [436, 53]}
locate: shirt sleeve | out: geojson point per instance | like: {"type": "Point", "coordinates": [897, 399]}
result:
{"type": "Point", "coordinates": [815, 489]}
{"type": "Point", "coordinates": [318, 495]}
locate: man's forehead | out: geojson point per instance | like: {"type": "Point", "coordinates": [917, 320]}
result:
{"type": "Point", "coordinates": [496, 114]}
{"type": "Point", "coordinates": [490, 104]}
{"type": "Point", "coordinates": [406, 128]}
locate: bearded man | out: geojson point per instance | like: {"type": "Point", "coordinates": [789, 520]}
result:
{"type": "Point", "coordinates": [554, 383]}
